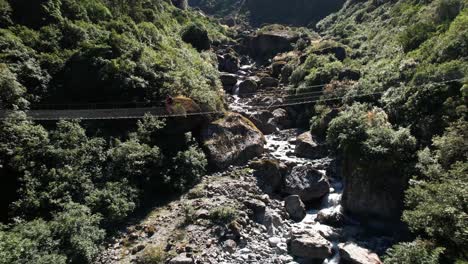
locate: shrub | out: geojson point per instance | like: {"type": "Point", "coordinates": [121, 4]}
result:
{"type": "Point", "coordinates": [153, 255]}
{"type": "Point", "coordinates": [223, 214]}
{"type": "Point", "coordinates": [415, 35]}
{"type": "Point", "coordinates": [416, 252]}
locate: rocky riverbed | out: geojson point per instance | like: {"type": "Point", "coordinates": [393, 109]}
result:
{"type": "Point", "coordinates": [281, 203]}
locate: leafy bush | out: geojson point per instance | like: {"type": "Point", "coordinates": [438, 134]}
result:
{"type": "Point", "coordinates": [223, 214]}
{"type": "Point", "coordinates": [415, 35]}
{"type": "Point", "coordinates": [417, 252]}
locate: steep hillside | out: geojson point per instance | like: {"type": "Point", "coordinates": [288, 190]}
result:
{"type": "Point", "coordinates": [96, 51]}
{"type": "Point", "coordinates": [403, 145]}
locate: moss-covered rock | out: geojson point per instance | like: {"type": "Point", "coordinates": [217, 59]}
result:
{"type": "Point", "coordinates": [232, 140]}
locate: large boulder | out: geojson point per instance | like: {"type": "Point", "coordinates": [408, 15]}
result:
{"type": "Point", "coordinates": [268, 81]}
{"type": "Point", "coordinates": [247, 86]}
{"type": "Point", "coordinates": [271, 42]}
{"type": "Point", "coordinates": [330, 217]}
{"type": "Point", "coordinates": [257, 208]}
{"type": "Point", "coordinates": [268, 175]}
{"type": "Point", "coordinates": [307, 147]}
{"type": "Point", "coordinates": [310, 246]}
{"type": "Point", "coordinates": [295, 207]}
{"type": "Point", "coordinates": [228, 62]}
{"type": "Point", "coordinates": [232, 140]}
{"type": "Point", "coordinates": [354, 254]}
{"type": "Point", "coordinates": [181, 4]}
{"type": "Point", "coordinates": [260, 119]}
{"type": "Point", "coordinates": [307, 182]}
{"type": "Point", "coordinates": [180, 107]}
{"type": "Point", "coordinates": [276, 68]}
{"type": "Point", "coordinates": [229, 81]}
{"type": "Point", "coordinates": [197, 37]}
{"type": "Point", "coordinates": [281, 119]}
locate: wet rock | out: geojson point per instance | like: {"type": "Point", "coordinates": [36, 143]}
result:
{"type": "Point", "coordinates": [307, 182]}
{"type": "Point", "coordinates": [280, 119]}
{"type": "Point", "coordinates": [276, 68]}
{"type": "Point", "coordinates": [228, 63]}
{"type": "Point", "coordinates": [354, 254]}
{"type": "Point", "coordinates": [295, 207]}
{"type": "Point", "coordinates": [260, 119]}
{"type": "Point", "coordinates": [307, 147]}
{"type": "Point", "coordinates": [330, 217]}
{"type": "Point", "coordinates": [247, 86]}
{"type": "Point", "coordinates": [181, 259]}
{"type": "Point", "coordinates": [268, 174]}
{"type": "Point", "coordinates": [228, 79]}
{"type": "Point", "coordinates": [269, 82]}
{"type": "Point", "coordinates": [232, 140]}
{"type": "Point", "coordinates": [310, 246]}
{"type": "Point", "coordinates": [197, 37]}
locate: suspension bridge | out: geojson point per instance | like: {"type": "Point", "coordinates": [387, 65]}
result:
{"type": "Point", "coordinates": [135, 110]}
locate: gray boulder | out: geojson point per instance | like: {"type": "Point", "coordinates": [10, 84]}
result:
{"type": "Point", "coordinates": [295, 207]}
{"type": "Point", "coordinates": [354, 254]}
{"type": "Point", "coordinates": [258, 209]}
{"type": "Point", "coordinates": [310, 246]}
{"type": "Point", "coordinates": [248, 86]}
{"type": "Point", "coordinates": [268, 175]}
{"type": "Point", "coordinates": [260, 119]}
{"type": "Point", "coordinates": [228, 63]}
{"type": "Point", "coordinates": [280, 119]}
{"type": "Point", "coordinates": [232, 140]}
{"type": "Point", "coordinates": [307, 182]}
{"type": "Point", "coordinates": [307, 147]}
{"type": "Point", "coordinates": [269, 43]}
{"type": "Point", "coordinates": [269, 82]}
{"type": "Point", "coordinates": [228, 79]}
{"type": "Point", "coordinates": [181, 259]}
{"type": "Point", "coordinates": [330, 217]}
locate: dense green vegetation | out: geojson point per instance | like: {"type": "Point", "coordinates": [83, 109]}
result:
{"type": "Point", "coordinates": [74, 187]}
{"type": "Point", "coordinates": [88, 51]}
{"type": "Point", "coordinates": [413, 54]}
{"type": "Point", "coordinates": [65, 190]}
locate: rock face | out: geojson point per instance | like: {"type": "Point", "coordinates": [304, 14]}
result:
{"type": "Point", "coordinates": [307, 182]}
{"type": "Point", "coordinates": [182, 4]}
{"type": "Point", "coordinates": [232, 140]}
{"type": "Point", "coordinates": [197, 37]}
{"type": "Point", "coordinates": [270, 43]}
{"type": "Point", "coordinates": [354, 254]}
{"type": "Point", "coordinates": [376, 195]}
{"type": "Point", "coordinates": [295, 207]}
{"type": "Point", "coordinates": [247, 86]}
{"type": "Point", "coordinates": [307, 147]}
{"type": "Point", "coordinates": [310, 246]}
{"type": "Point", "coordinates": [268, 175]}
